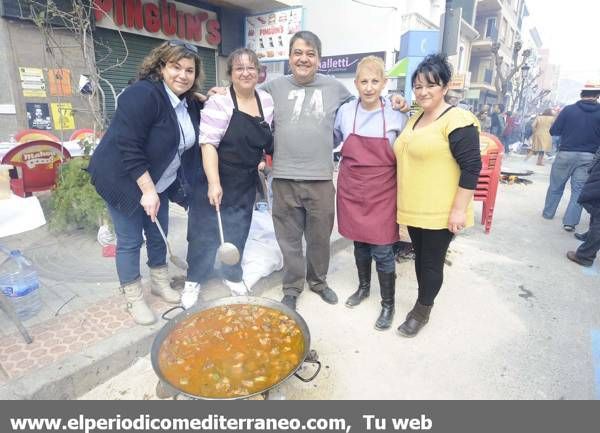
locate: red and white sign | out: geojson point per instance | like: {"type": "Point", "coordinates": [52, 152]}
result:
{"type": "Point", "coordinates": [269, 34]}
{"type": "Point", "coordinates": [161, 19]}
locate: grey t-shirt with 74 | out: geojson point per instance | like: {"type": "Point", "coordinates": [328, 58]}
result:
{"type": "Point", "coordinates": [303, 123]}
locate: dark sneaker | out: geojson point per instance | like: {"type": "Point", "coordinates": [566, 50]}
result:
{"type": "Point", "coordinates": [289, 301]}
{"type": "Point", "coordinates": [581, 236]}
{"type": "Point", "coordinates": [572, 255]}
{"type": "Point", "coordinates": [569, 228]}
{"type": "Point", "coordinates": [327, 295]}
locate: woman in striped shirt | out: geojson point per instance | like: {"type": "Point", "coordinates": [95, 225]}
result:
{"type": "Point", "coordinates": [235, 132]}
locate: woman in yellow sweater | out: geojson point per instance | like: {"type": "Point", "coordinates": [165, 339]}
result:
{"type": "Point", "coordinates": [438, 166]}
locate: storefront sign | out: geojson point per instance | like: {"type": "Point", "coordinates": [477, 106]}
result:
{"type": "Point", "coordinates": [269, 34]}
{"type": "Point", "coordinates": [345, 64]}
{"type": "Point", "coordinates": [342, 64]}
{"type": "Point", "coordinates": [160, 19]}
{"type": "Point", "coordinates": [457, 82]}
{"type": "Point", "coordinates": [472, 94]}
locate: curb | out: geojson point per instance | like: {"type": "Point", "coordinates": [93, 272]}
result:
{"type": "Point", "coordinates": [72, 377]}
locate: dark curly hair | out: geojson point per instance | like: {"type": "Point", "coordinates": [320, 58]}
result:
{"type": "Point", "coordinates": [166, 52]}
{"type": "Point", "coordinates": [435, 69]}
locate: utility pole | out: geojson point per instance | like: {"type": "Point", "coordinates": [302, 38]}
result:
{"type": "Point", "coordinates": [447, 20]}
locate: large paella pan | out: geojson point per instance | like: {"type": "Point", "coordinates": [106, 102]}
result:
{"type": "Point", "coordinates": [231, 348]}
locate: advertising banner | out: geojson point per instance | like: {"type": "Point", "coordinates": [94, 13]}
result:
{"type": "Point", "coordinates": [63, 116]}
{"type": "Point", "coordinates": [269, 34]}
{"type": "Point", "coordinates": [457, 82]}
{"type": "Point", "coordinates": [32, 82]}
{"type": "Point", "coordinates": [38, 116]}
{"type": "Point", "coordinates": [60, 82]}
{"type": "Point", "coordinates": [341, 64]}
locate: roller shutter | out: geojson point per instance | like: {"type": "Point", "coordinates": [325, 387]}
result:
{"type": "Point", "coordinates": [110, 50]}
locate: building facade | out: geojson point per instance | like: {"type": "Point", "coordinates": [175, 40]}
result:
{"type": "Point", "coordinates": [45, 71]}
{"type": "Point", "coordinates": [497, 22]}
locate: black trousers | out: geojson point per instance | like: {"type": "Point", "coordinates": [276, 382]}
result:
{"type": "Point", "coordinates": [203, 233]}
{"type": "Point", "coordinates": [587, 250]}
{"type": "Point", "coordinates": [430, 252]}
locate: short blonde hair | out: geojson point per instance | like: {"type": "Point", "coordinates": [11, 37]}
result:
{"type": "Point", "coordinates": [373, 63]}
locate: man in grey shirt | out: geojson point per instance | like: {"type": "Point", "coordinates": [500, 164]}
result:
{"type": "Point", "coordinates": [303, 191]}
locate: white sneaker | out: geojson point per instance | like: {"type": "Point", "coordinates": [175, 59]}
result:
{"type": "Point", "coordinates": [237, 288]}
{"type": "Point", "coordinates": [189, 295]}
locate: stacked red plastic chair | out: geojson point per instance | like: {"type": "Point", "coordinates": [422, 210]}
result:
{"type": "Point", "coordinates": [487, 185]}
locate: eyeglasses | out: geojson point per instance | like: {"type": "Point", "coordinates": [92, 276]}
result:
{"type": "Point", "coordinates": [186, 45]}
{"type": "Point", "coordinates": [242, 69]}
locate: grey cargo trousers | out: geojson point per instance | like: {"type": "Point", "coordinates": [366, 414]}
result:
{"type": "Point", "coordinates": [303, 208]}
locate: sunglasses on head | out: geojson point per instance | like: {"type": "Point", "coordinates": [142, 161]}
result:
{"type": "Point", "coordinates": [186, 45]}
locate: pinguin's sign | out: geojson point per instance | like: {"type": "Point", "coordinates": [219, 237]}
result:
{"type": "Point", "coordinates": [160, 19]}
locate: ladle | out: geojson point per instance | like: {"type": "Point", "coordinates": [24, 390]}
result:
{"type": "Point", "coordinates": [227, 252]}
{"type": "Point", "coordinates": [177, 261]}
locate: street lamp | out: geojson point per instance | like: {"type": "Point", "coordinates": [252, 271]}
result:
{"type": "Point", "coordinates": [524, 72]}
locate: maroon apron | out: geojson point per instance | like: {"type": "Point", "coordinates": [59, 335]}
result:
{"type": "Point", "coordinates": [366, 189]}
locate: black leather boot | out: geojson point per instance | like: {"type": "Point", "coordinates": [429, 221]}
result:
{"type": "Point", "coordinates": [415, 320]}
{"type": "Point", "coordinates": [364, 284]}
{"type": "Point", "coordinates": [387, 286]}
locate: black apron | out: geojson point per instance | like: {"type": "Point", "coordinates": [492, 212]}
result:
{"type": "Point", "coordinates": [240, 151]}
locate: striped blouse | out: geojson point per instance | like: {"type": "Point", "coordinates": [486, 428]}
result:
{"type": "Point", "coordinates": [217, 112]}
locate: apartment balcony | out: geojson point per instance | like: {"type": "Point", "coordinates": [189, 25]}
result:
{"type": "Point", "coordinates": [483, 80]}
{"type": "Point", "coordinates": [483, 45]}
{"type": "Point", "coordinates": [488, 6]}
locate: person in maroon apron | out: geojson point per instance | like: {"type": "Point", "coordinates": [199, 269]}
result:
{"type": "Point", "coordinates": [231, 151]}
{"type": "Point", "coordinates": [366, 187]}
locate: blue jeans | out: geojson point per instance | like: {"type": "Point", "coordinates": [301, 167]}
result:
{"type": "Point", "coordinates": [129, 240]}
{"type": "Point", "coordinates": [573, 165]}
{"type": "Point", "coordinates": [383, 255]}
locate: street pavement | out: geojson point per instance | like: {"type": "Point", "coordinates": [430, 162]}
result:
{"type": "Point", "coordinates": [514, 320]}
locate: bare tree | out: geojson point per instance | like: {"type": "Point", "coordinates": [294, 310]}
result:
{"type": "Point", "coordinates": [540, 99]}
{"type": "Point", "coordinates": [503, 80]}
{"type": "Point", "coordinates": [520, 89]}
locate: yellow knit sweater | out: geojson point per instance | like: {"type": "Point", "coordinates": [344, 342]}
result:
{"type": "Point", "coordinates": [428, 174]}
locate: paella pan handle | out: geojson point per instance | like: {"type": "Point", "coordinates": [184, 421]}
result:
{"type": "Point", "coordinates": [308, 379]}
{"type": "Point", "coordinates": [176, 307]}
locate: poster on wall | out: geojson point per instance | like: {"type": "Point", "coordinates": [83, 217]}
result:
{"type": "Point", "coordinates": [269, 34]}
{"type": "Point", "coordinates": [63, 116]}
{"type": "Point", "coordinates": [59, 81]}
{"type": "Point", "coordinates": [32, 82]}
{"type": "Point", "coordinates": [38, 116]}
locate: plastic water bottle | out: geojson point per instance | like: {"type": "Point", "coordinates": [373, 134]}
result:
{"type": "Point", "coordinates": [19, 282]}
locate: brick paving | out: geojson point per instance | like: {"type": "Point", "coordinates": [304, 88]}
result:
{"type": "Point", "coordinates": [63, 336]}
{"type": "Point", "coordinates": [79, 292]}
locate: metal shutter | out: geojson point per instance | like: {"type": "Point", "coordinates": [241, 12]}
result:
{"type": "Point", "coordinates": [138, 47]}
